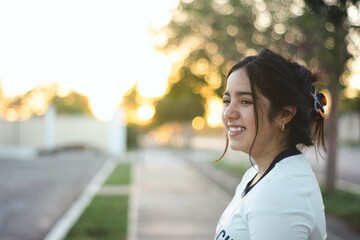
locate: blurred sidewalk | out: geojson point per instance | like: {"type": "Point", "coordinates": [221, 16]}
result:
{"type": "Point", "coordinates": [172, 200]}
{"type": "Point", "coordinates": [177, 195]}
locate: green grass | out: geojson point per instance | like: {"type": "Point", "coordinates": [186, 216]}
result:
{"type": "Point", "coordinates": [354, 144]}
{"type": "Point", "coordinates": [236, 170]}
{"type": "Point", "coordinates": [120, 176]}
{"type": "Point", "coordinates": [105, 218]}
{"type": "Point", "coordinates": [344, 205]}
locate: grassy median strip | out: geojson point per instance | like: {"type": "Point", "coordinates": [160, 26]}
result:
{"type": "Point", "coordinates": [344, 205]}
{"type": "Point", "coordinates": [235, 169]}
{"type": "Point", "coordinates": [120, 176]}
{"type": "Point", "coordinates": [107, 216]}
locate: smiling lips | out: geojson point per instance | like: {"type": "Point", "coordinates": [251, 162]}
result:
{"type": "Point", "coordinates": [234, 131]}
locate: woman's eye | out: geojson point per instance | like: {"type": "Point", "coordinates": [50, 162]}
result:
{"type": "Point", "coordinates": [226, 101]}
{"type": "Point", "coordinates": [245, 101]}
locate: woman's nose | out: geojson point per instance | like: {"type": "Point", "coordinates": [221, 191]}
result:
{"type": "Point", "coordinates": [230, 112]}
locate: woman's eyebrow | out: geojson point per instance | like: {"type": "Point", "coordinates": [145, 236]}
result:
{"type": "Point", "coordinates": [238, 93]}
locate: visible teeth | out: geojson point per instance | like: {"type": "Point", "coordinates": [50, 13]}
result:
{"type": "Point", "coordinates": [236, 129]}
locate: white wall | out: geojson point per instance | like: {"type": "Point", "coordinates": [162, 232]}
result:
{"type": "Point", "coordinates": [80, 130]}
{"type": "Point", "coordinates": [68, 130]}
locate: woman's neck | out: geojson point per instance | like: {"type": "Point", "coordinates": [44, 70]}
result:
{"type": "Point", "coordinates": [265, 158]}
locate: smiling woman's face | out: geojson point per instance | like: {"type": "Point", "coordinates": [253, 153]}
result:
{"type": "Point", "coordinates": [239, 118]}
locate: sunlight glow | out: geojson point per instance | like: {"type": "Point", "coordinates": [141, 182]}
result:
{"type": "Point", "coordinates": [198, 123]}
{"type": "Point", "coordinates": [354, 14]}
{"type": "Point", "coordinates": [153, 77]}
{"type": "Point", "coordinates": [214, 111]}
{"type": "Point", "coordinates": [145, 113]}
{"type": "Point", "coordinates": [22, 108]}
{"type": "Point", "coordinates": [101, 109]}
{"type": "Point", "coordinates": [97, 48]}
{"type": "Point", "coordinates": [354, 81]}
{"type": "Point", "coordinates": [327, 108]}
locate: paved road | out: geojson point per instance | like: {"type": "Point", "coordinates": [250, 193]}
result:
{"type": "Point", "coordinates": [35, 193]}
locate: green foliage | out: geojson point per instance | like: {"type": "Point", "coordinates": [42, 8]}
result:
{"type": "Point", "coordinates": [105, 218]}
{"type": "Point", "coordinates": [73, 103]}
{"type": "Point", "coordinates": [132, 135]}
{"type": "Point", "coordinates": [350, 104]}
{"type": "Point", "coordinates": [129, 100]}
{"type": "Point", "coordinates": [219, 34]}
{"type": "Point", "coordinates": [180, 105]}
{"type": "Point", "coordinates": [210, 22]}
{"type": "Point", "coordinates": [232, 28]}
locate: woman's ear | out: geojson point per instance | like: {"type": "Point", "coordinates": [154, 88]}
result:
{"type": "Point", "coordinates": [286, 114]}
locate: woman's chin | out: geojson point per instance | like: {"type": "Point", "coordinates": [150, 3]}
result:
{"type": "Point", "coordinates": [236, 147]}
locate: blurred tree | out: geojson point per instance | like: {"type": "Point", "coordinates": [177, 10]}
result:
{"type": "Point", "coordinates": [22, 107]}
{"type": "Point", "coordinates": [210, 37]}
{"type": "Point", "coordinates": [351, 104]}
{"type": "Point", "coordinates": [36, 101]}
{"type": "Point", "coordinates": [330, 44]}
{"type": "Point", "coordinates": [72, 103]}
{"type": "Point", "coordinates": [181, 104]}
{"type": "Point", "coordinates": [131, 102]}
{"type": "Point", "coordinates": [213, 34]}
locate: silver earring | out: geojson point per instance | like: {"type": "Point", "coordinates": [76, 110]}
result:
{"type": "Point", "coordinates": [282, 127]}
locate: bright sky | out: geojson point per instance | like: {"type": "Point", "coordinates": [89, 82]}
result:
{"type": "Point", "coordinates": [97, 47]}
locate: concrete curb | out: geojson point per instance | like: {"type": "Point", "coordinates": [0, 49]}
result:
{"type": "Point", "coordinates": [133, 202]}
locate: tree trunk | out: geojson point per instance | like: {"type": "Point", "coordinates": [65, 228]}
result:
{"type": "Point", "coordinates": [332, 138]}
{"type": "Point", "coordinates": [334, 87]}
{"type": "Point", "coordinates": [188, 134]}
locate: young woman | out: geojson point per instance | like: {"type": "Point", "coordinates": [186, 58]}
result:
{"type": "Point", "coordinates": [272, 109]}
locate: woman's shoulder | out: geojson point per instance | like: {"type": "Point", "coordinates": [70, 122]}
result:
{"type": "Point", "coordinates": [293, 166]}
{"type": "Point", "coordinates": [292, 177]}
